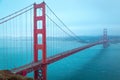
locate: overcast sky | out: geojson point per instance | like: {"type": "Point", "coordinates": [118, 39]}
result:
{"type": "Point", "coordinates": [84, 17]}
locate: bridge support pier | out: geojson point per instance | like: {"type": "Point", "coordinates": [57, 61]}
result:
{"type": "Point", "coordinates": [41, 73]}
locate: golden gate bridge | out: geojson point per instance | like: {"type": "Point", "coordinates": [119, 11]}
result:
{"type": "Point", "coordinates": [28, 30]}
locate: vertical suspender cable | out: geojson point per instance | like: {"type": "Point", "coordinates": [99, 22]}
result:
{"type": "Point", "coordinates": [3, 25]}
{"type": "Point", "coordinates": [9, 44]}
{"type": "Point", "coordinates": [26, 35]}
{"type": "Point", "coordinates": [21, 36]}
{"type": "Point", "coordinates": [30, 14]}
{"type": "Point", "coordinates": [16, 41]}
{"type": "Point", "coordinates": [11, 36]}
{"type": "Point", "coordinates": [6, 46]}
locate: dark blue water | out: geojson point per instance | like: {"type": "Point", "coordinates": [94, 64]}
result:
{"type": "Point", "coordinates": [95, 63]}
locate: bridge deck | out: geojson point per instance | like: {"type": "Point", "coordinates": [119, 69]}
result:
{"type": "Point", "coordinates": [37, 65]}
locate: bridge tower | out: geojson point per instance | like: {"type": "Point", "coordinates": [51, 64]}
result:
{"type": "Point", "coordinates": [40, 73]}
{"type": "Point", "coordinates": [105, 38]}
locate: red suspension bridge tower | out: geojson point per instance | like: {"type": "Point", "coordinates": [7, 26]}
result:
{"type": "Point", "coordinates": [105, 38]}
{"type": "Point", "coordinates": [41, 73]}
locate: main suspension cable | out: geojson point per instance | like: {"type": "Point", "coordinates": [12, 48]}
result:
{"type": "Point", "coordinates": [15, 16]}
{"type": "Point", "coordinates": [16, 12]}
